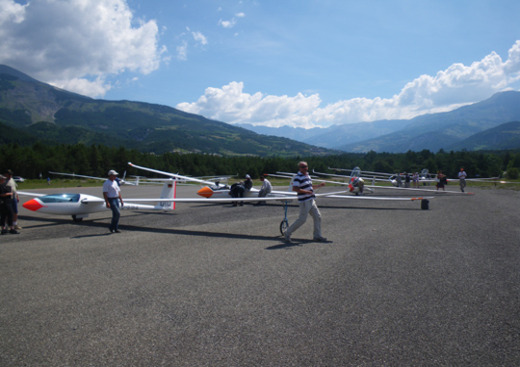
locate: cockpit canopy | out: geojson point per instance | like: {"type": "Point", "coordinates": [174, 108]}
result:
{"type": "Point", "coordinates": [60, 198]}
{"type": "Point", "coordinates": [356, 172]}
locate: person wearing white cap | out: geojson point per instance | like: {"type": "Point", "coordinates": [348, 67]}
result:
{"type": "Point", "coordinates": [240, 188]}
{"type": "Point", "coordinates": [248, 183]}
{"type": "Point", "coordinates": [112, 195]}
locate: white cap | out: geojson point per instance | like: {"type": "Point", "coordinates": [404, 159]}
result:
{"type": "Point", "coordinates": [247, 176]}
{"type": "Point", "coordinates": [112, 172]}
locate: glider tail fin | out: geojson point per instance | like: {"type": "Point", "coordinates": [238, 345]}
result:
{"type": "Point", "coordinates": [168, 192]}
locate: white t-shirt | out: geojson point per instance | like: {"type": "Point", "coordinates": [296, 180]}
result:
{"type": "Point", "coordinates": [12, 183]}
{"type": "Point", "coordinates": [111, 188]}
{"type": "Point", "coordinates": [266, 185]}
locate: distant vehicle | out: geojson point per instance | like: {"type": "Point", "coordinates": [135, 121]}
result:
{"type": "Point", "coordinates": [18, 179]}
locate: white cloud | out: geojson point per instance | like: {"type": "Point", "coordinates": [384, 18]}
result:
{"type": "Point", "coordinates": [97, 87]}
{"type": "Point", "coordinates": [199, 37]}
{"type": "Point", "coordinates": [232, 22]}
{"type": "Point", "coordinates": [232, 105]}
{"type": "Point", "coordinates": [11, 11]}
{"type": "Point", "coordinates": [182, 51]}
{"type": "Point", "coordinates": [227, 23]}
{"type": "Point", "coordinates": [450, 88]}
{"type": "Point", "coordinates": [77, 43]}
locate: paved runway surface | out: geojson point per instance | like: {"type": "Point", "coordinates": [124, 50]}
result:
{"type": "Point", "coordinates": [213, 285]}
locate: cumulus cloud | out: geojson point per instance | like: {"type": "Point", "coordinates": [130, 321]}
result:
{"type": "Point", "coordinates": [200, 38]}
{"type": "Point", "coordinates": [232, 105]}
{"type": "Point", "coordinates": [11, 11]}
{"type": "Point", "coordinates": [453, 87]}
{"type": "Point", "coordinates": [227, 23]}
{"type": "Point", "coordinates": [232, 22]}
{"type": "Point", "coordinates": [77, 43]}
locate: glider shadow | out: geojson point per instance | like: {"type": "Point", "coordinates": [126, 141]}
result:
{"type": "Point", "coordinates": [184, 232]}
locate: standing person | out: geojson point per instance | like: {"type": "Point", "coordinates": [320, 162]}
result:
{"type": "Point", "coordinates": [264, 190]}
{"type": "Point", "coordinates": [415, 179]}
{"type": "Point", "coordinates": [462, 179]}
{"type": "Point", "coordinates": [6, 209]}
{"type": "Point", "coordinates": [407, 180]}
{"type": "Point", "coordinates": [302, 184]}
{"type": "Point", "coordinates": [441, 180]}
{"type": "Point", "coordinates": [112, 195]}
{"type": "Point", "coordinates": [15, 199]}
{"type": "Point", "coordinates": [398, 179]}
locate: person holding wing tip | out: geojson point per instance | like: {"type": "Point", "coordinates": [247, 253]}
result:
{"type": "Point", "coordinates": [302, 185]}
{"type": "Point", "coordinates": [112, 195]}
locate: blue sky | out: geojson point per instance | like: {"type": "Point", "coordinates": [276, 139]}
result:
{"type": "Point", "coordinates": [301, 63]}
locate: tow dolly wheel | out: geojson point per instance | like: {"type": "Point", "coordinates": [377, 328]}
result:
{"type": "Point", "coordinates": [284, 224]}
{"type": "Point", "coordinates": [76, 219]}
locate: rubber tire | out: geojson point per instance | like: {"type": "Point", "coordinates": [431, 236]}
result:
{"type": "Point", "coordinates": [283, 227]}
{"type": "Point", "coordinates": [76, 220]}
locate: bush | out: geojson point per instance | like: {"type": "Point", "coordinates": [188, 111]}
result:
{"type": "Point", "coordinates": [513, 173]}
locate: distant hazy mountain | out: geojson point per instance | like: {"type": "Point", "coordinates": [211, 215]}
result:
{"type": "Point", "coordinates": [31, 110]}
{"type": "Point", "coordinates": [295, 133]}
{"type": "Point", "coordinates": [444, 130]}
{"type": "Point", "coordinates": [433, 131]}
{"type": "Point", "coordinates": [505, 136]}
{"type": "Point", "coordinates": [334, 136]}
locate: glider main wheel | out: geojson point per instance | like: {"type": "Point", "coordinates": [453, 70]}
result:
{"type": "Point", "coordinates": [284, 224]}
{"type": "Point", "coordinates": [76, 219]}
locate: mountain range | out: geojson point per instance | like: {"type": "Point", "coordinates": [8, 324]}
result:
{"type": "Point", "coordinates": [454, 130]}
{"type": "Point", "coordinates": [34, 111]}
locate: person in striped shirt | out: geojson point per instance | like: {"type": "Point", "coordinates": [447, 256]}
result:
{"type": "Point", "coordinates": [302, 185]}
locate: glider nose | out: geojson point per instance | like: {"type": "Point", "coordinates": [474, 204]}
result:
{"type": "Point", "coordinates": [33, 205]}
{"type": "Point", "coordinates": [205, 192]}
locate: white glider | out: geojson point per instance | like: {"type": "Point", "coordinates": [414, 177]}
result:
{"type": "Point", "coordinates": [79, 206]}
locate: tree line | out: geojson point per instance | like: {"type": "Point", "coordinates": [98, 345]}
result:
{"type": "Point", "coordinates": [95, 160]}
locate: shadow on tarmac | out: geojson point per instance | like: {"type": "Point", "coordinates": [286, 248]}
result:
{"type": "Point", "coordinates": [294, 243]}
{"type": "Point", "coordinates": [131, 228]}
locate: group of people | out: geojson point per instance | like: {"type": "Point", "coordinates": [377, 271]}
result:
{"type": "Point", "coordinates": [239, 189]}
{"type": "Point", "coordinates": [408, 179]}
{"type": "Point", "coordinates": [442, 180]}
{"type": "Point", "coordinates": [301, 184]}
{"type": "Point", "coordinates": [114, 200]}
{"type": "Point", "coordinates": [8, 204]}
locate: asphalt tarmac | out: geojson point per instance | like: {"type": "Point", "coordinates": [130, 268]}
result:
{"type": "Point", "coordinates": [215, 285]}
